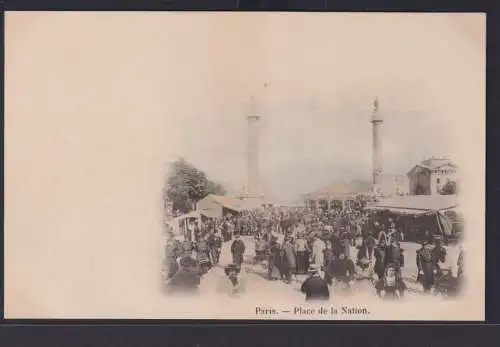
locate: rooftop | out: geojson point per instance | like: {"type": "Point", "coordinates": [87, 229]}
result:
{"type": "Point", "coordinates": [341, 188]}
{"type": "Point", "coordinates": [435, 162]}
{"type": "Point", "coordinates": [416, 204]}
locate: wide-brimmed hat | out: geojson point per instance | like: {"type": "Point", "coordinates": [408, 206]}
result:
{"type": "Point", "coordinates": [364, 261]}
{"type": "Point", "coordinates": [232, 267]}
{"type": "Point", "coordinates": [313, 268]}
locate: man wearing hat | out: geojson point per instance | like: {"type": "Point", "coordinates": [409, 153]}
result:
{"type": "Point", "coordinates": [289, 265]}
{"type": "Point", "coordinates": [329, 262]}
{"type": "Point", "coordinates": [260, 249]}
{"type": "Point", "coordinates": [394, 254]}
{"type": "Point", "coordinates": [380, 258]}
{"type": "Point", "coordinates": [365, 254]}
{"type": "Point", "coordinates": [315, 287]}
{"type": "Point", "coordinates": [426, 266]}
{"type": "Point", "coordinates": [172, 251]}
{"type": "Point", "coordinates": [187, 247]}
{"type": "Point", "coordinates": [237, 250]}
{"type": "Point", "coordinates": [203, 253]}
{"type": "Point", "coordinates": [391, 227]}
{"type": "Point", "coordinates": [215, 245]}
{"type": "Point", "coordinates": [438, 252]}
{"type": "Point", "coordinates": [302, 253]}
{"type": "Point", "coordinates": [187, 279]}
{"type": "Point", "coordinates": [232, 284]}
{"type": "Point", "coordinates": [343, 269]}
{"type": "Point", "coordinates": [273, 259]}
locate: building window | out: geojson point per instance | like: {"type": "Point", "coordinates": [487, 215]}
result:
{"type": "Point", "coordinates": [438, 181]}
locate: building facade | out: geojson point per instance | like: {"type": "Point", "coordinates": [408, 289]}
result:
{"type": "Point", "coordinates": [431, 175]}
{"type": "Point", "coordinates": [391, 185]}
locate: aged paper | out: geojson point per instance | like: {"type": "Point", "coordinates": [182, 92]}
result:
{"type": "Point", "coordinates": [99, 105]}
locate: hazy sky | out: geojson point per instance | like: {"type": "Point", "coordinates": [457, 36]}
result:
{"type": "Point", "coordinates": [323, 72]}
{"type": "Point", "coordinates": [184, 88]}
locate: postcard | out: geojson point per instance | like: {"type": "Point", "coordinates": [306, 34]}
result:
{"type": "Point", "coordinates": [264, 166]}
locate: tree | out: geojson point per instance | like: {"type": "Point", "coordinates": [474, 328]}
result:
{"type": "Point", "coordinates": [215, 188]}
{"type": "Point", "coordinates": [450, 188]}
{"type": "Point", "coordinates": [186, 184]}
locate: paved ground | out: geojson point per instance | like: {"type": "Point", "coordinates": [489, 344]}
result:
{"type": "Point", "coordinates": [256, 275]}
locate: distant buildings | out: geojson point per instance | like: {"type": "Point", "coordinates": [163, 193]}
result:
{"type": "Point", "coordinates": [430, 176]}
{"type": "Point", "coordinates": [393, 185]}
{"type": "Point", "coordinates": [337, 194]}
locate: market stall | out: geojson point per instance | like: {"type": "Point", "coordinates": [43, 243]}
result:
{"type": "Point", "coordinates": [418, 216]}
{"type": "Point", "coordinates": [217, 206]}
{"type": "Point", "coordinates": [339, 195]}
{"type": "Point", "coordinates": [179, 224]}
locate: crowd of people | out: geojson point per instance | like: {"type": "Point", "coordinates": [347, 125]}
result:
{"type": "Point", "coordinates": [332, 248]}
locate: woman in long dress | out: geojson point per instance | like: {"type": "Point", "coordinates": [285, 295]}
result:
{"type": "Point", "coordinates": [274, 260]}
{"type": "Point", "coordinates": [318, 255]}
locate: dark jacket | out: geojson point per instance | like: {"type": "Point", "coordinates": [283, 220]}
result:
{"type": "Point", "coordinates": [215, 242]}
{"type": "Point", "coordinates": [393, 255]}
{"type": "Point", "coordinates": [315, 288]}
{"type": "Point", "coordinates": [343, 269]}
{"type": "Point", "coordinates": [184, 281]}
{"type": "Point", "coordinates": [380, 259]}
{"type": "Point", "coordinates": [288, 255]}
{"type": "Point", "coordinates": [370, 242]}
{"type": "Point", "coordinates": [438, 255]}
{"type": "Point", "coordinates": [238, 247]}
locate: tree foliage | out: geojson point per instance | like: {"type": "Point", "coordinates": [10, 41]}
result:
{"type": "Point", "coordinates": [450, 188]}
{"type": "Point", "coordinates": [186, 184]}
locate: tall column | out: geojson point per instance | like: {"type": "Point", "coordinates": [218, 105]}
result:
{"type": "Point", "coordinates": [377, 122]}
{"type": "Point", "coordinates": [253, 154]}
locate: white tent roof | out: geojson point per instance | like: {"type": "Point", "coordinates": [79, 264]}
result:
{"type": "Point", "coordinates": [174, 223]}
{"type": "Point", "coordinates": [225, 201]}
{"type": "Point", "coordinates": [416, 204]}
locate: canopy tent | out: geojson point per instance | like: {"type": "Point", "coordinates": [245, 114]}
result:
{"type": "Point", "coordinates": [216, 205]}
{"type": "Point", "coordinates": [416, 204]}
{"type": "Point", "coordinates": [250, 203]}
{"type": "Point", "coordinates": [176, 223]}
{"type": "Point", "coordinates": [426, 212]}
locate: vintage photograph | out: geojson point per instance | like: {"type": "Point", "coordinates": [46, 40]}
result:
{"type": "Point", "coordinates": [315, 166]}
{"type": "Point", "coordinates": [393, 235]}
